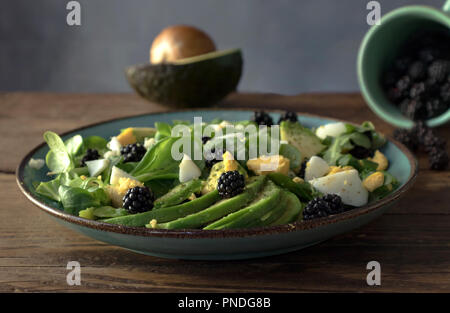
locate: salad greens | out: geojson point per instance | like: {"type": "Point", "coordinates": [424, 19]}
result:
{"type": "Point", "coordinates": [274, 196]}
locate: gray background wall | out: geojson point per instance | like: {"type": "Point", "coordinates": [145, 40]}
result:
{"type": "Point", "coordinates": [290, 46]}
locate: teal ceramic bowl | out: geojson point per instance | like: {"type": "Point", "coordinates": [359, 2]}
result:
{"type": "Point", "coordinates": [380, 46]}
{"type": "Point", "coordinates": [214, 244]}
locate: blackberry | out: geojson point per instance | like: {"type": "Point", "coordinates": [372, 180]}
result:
{"type": "Point", "coordinates": [91, 154]}
{"type": "Point", "coordinates": [323, 206]}
{"type": "Point", "coordinates": [212, 157]}
{"type": "Point", "coordinates": [407, 138]}
{"type": "Point", "coordinates": [402, 64]}
{"type": "Point", "coordinates": [417, 70]}
{"type": "Point", "coordinates": [394, 94]}
{"type": "Point", "coordinates": [435, 107]}
{"type": "Point", "coordinates": [438, 159]}
{"type": "Point", "coordinates": [262, 118]}
{"type": "Point", "coordinates": [403, 83]}
{"type": "Point", "coordinates": [420, 130]}
{"type": "Point", "coordinates": [438, 70]}
{"type": "Point", "coordinates": [444, 92]}
{"type": "Point", "coordinates": [428, 55]}
{"type": "Point", "coordinates": [361, 152]}
{"type": "Point", "coordinates": [335, 203]}
{"type": "Point", "coordinates": [133, 152]}
{"type": "Point", "coordinates": [230, 184]}
{"type": "Point", "coordinates": [431, 141]}
{"type": "Point", "coordinates": [138, 200]}
{"type": "Point", "coordinates": [417, 90]}
{"type": "Point", "coordinates": [413, 109]}
{"type": "Point", "coordinates": [288, 116]}
{"type": "Point", "coordinates": [205, 139]}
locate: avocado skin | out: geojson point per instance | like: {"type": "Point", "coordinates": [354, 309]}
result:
{"type": "Point", "coordinates": [194, 84]}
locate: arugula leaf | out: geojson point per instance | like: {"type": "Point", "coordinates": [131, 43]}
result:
{"type": "Point", "coordinates": [342, 144]}
{"type": "Point", "coordinates": [367, 128]}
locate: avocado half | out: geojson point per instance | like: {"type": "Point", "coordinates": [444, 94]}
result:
{"type": "Point", "coordinates": [196, 81]}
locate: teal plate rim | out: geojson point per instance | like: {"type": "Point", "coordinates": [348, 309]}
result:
{"type": "Point", "coordinates": [207, 234]}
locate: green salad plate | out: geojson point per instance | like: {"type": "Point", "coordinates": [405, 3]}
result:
{"type": "Point", "coordinates": [214, 244]}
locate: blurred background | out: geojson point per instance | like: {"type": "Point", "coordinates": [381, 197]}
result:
{"type": "Point", "coordinates": [289, 46]}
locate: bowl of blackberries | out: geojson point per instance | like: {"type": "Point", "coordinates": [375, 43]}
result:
{"type": "Point", "coordinates": [404, 75]}
{"type": "Point", "coordinates": [418, 84]}
{"type": "Point", "coordinates": [417, 81]}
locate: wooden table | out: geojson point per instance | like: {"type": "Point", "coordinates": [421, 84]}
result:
{"type": "Point", "coordinates": [411, 242]}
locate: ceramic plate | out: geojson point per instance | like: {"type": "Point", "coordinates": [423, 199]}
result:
{"type": "Point", "coordinates": [215, 244]}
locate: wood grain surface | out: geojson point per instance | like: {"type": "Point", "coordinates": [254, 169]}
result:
{"type": "Point", "coordinates": [411, 241]}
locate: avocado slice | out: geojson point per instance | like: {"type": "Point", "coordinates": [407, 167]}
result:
{"type": "Point", "coordinates": [267, 219]}
{"type": "Point", "coordinates": [293, 154]}
{"type": "Point", "coordinates": [167, 214]}
{"type": "Point", "coordinates": [266, 200]}
{"type": "Point", "coordinates": [273, 215]}
{"type": "Point", "coordinates": [293, 209]}
{"type": "Point", "coordinates": [196, 81]}
{"type": "Point", "coordinates": [218, 210]}
{"type": "Point", "coordinates": [303, 190]}
{"type": "Point", "coordinates": [178, 194]}
{"type": "Point", "coordinates": [302, 138]}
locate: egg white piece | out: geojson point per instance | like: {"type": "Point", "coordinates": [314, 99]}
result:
{"type": "Point", "coordinates": [188, 169]}
{"type": "Point", "coordinates": [331, 129]}
{"type": "Point", "coordinates": [346, 184]}
{"type": "Point", "coordinates": [316, 167]}
{"type": "Point", "coordinates": [96, 167]}
{"type": "Point", "coordinates": [116, 174]}
{"type": "Point", "coordinates": [114, 144]}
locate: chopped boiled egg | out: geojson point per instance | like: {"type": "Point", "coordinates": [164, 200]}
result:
{"type": "Point", "coordinates": [381, 159]}
{"type": "Point", "coordinates": [269, 164]}
{"type": "Point", "coordinates": [229, 162]}
{"type": "Point", "coordinates": [346, 184]}
{"type": "Point", "coordinates": [331, 129]}
{"type": "Point", "coordinates": [316, 167]}
{"type": "Point", "coordinates": [373, 181]}
{"type": "Point", "coordinates": [96, 167]}
{"type": "Point", "coordinates": [188, 169]}
{"type": "Point", "coordinates": [116, 174]}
